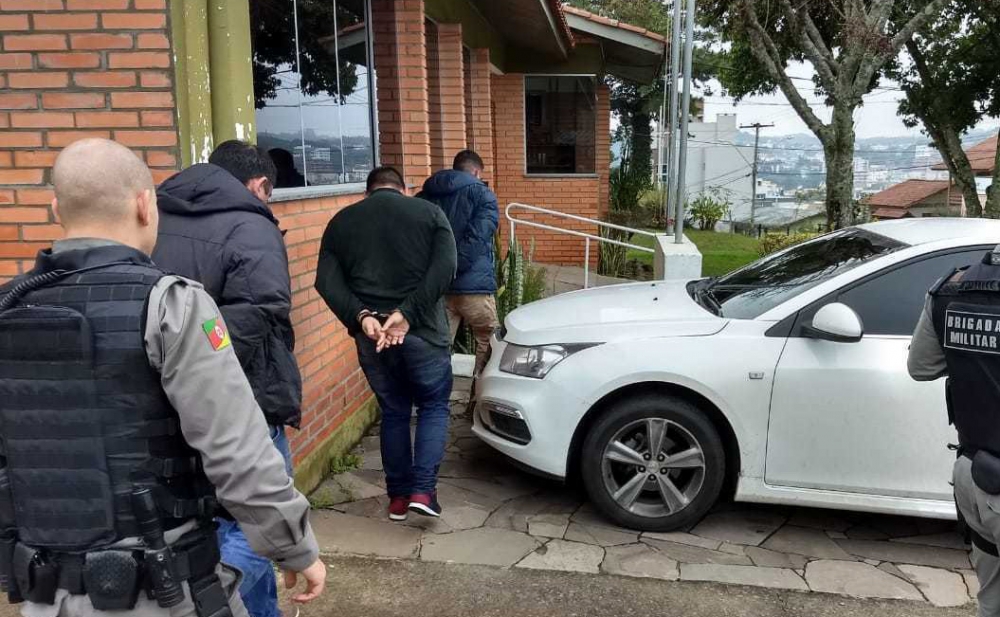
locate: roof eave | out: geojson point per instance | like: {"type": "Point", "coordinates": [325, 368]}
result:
{"type": "Point", "coordinates": [644, 60]}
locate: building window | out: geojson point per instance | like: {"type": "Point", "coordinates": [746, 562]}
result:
{"type": "Point", "coordinates": [560, 124]}
{"type": "Point", "coordinates": [313, 89]}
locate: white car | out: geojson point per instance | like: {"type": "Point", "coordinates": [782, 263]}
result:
{"type": "Point", "coordinates": [784, 381]}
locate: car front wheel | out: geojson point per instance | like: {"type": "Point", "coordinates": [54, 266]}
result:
{"type": "Point", "coordinates": [653, 463]}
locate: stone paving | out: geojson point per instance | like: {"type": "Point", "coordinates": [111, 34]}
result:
{"type": "Point", "coordinates": [497, 515]}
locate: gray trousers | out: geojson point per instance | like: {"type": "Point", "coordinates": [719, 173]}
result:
{"type": "Point", "coordinates": [80, 606]}
{"type": "Point", "coordinates": [982, 513]}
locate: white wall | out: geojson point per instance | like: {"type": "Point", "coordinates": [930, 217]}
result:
{"type": "Point", "coordinates": [714, 162]}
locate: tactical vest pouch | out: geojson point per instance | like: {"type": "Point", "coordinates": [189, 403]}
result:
{"type": "Point", "coordinates": [112, 580]}
{"type": "Point", "coordinates": [986, 472]}
{"type": "Point", "coordinates": [37, 577]}
{"type": "Point", "coordinates": [56, 461]}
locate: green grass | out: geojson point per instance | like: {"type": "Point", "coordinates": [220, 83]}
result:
{"type": "Point", "coordinates": [721, 252]}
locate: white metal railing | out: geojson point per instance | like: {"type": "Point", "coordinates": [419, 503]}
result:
{"type": "Point", "coordinates": [514, 222]}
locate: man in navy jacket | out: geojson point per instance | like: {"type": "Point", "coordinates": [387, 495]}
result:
{"type": "Point", "coordinates": [471, 208]}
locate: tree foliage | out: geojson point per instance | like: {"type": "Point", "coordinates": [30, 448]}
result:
{"type": "Point", "coordinates": [951, 78]}
{"type": "Point", "coordinates": [849, 44]}
{"type": "Point", "coordinates": [274, 58]}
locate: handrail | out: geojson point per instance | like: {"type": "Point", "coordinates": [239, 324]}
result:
{"type": "Point", "coordinates": [587, 237]}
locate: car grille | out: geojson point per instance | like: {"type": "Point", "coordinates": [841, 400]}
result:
{"type": "Point", "coordinates": [513, 429]}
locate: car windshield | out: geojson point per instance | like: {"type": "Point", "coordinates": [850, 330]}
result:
{"type": "Point", "coordinates": [755, 289]}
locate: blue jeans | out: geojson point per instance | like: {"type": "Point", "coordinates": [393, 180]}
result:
{"type": "Point", "coordinates": [259, 587]}
{"type": "Point", "coordinates": [418, 374]}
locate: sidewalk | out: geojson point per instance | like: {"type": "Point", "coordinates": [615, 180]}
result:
{"type": "Point", "coordinates": [496, 515]}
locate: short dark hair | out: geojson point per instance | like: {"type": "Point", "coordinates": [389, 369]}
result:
{"type": "Point", "coordinates": [467, 160]}
{"type": "Point", "coordinates": [244, 161]}
{"type": "Point", "coordinates": [382, 176]}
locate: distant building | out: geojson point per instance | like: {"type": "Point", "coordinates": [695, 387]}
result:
{"type": "Point", "coordinates": [715, 163]}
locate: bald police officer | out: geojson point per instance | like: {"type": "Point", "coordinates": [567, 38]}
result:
{"type": "Point", "coordinates": [125, 419]}
{"type": "Point", "coordinates": [957, 337]}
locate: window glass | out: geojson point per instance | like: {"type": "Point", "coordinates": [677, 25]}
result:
{"type": "Point", "coordinates": [312, 76]}
{"type": "Point", "coordinates": [763, 285]}
{"type": "Point", "coordinates": [891, 304]}
{"type": "Point", "coordinates": [560, 125]}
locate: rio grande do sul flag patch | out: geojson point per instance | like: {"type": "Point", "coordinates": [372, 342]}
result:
{"type": "Point", "coordinates": [218, 336]}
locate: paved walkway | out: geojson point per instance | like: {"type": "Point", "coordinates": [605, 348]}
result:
{"type": "Point", "coordinates": [496, 515]}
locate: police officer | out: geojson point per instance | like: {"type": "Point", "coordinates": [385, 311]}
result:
{"type": "Point", "coordinates": [958, 336]}
{"type": "Point", "coordinates": [125, 418]}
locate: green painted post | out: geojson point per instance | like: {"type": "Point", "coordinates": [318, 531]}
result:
{"type": "Point", "coordinates": [232, 70]}
{"type": "Point", "coordinates": [189, 27]}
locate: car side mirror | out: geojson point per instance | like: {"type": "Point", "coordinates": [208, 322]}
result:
{"type": "Point", "coordinates": [835, 322]}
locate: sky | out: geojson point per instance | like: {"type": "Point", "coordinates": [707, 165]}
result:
{"type": "Point", "coordinates": [877, 118]}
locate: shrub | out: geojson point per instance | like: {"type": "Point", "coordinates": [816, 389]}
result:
{"type": "Point", "coordinates": [772, 243]}
{"type": "Point", "coordinates": [707, 210]}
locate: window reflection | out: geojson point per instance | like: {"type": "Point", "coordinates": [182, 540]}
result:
{"type": "Point", "coordinates": [312, 91]}
{"type": "Point", "coordinates": [560, 124]}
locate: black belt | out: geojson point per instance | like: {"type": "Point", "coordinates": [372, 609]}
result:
{"type": "Point", "coordinates": [195, 557]}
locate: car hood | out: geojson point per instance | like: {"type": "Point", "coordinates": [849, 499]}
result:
{"type": "Point", "coordinates": [606, 314]}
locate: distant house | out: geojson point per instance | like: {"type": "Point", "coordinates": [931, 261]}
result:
{"type": "Point", "coordinates": [982, 159]}
{"type": "Point", "coordinates": [916, 199]}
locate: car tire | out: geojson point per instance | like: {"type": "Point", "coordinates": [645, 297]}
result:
{"type": "Point", "coordinates": [666, 498]}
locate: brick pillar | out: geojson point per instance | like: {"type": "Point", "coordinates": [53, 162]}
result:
{"type": "Point", "coordinates": [401, 71]}
{"type": "Point", "coordinates": [74, 69]}
{"type": "Point", "coordinates": [446, 93]}
{"type": "Point", "coordinates": [478, 111]}
{"type": "Point", "coordinates": [602, 140]}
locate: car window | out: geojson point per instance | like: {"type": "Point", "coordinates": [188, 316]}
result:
{"type": "Point", "coordinates": [763, 285]}
{"type": "Point", "coordinates": [890, 304]}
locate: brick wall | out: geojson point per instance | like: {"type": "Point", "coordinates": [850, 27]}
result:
{"type": "Point", "coordinates": [583, 196]}
{"type": "Point", "coordinates": [446, 93]}
{"type": "Point", "coordinates": [71, 69]}
{"type": "Point", "coordinates": [333, 385]}
{"type": "Point", "coordinates": [401, 72]}
{"type": "Point", "coordinates": [478, 111]}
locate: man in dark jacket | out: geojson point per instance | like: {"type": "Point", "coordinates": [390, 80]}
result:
{"type": "Point", "coordinates": [216, 228]}
{"type": "Point", "coordinates": [385, 264]}
{"type": "Point", "coordinates": [471, 208]}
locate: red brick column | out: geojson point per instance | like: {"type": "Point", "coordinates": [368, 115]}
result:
{"type": "Point", "coordinates": [71, 69]}
{"type": "Point", "coordinates": [401, 70]}
{"type": "Point", "coordinates": [446, 93]}
{"type": "Point", "coordinates": [478, 113]}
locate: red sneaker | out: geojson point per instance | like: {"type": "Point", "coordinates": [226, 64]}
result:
{"type": "Point", "coordinates": [426, 504]}
{"type": "Point", "coordinates": [398, 507]}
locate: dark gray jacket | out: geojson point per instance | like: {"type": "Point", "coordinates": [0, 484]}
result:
{"type": "Point", "coordinates": [214, 231]}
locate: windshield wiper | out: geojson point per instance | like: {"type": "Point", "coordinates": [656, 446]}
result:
{"type": "Point", "coordinates": [705, 296]}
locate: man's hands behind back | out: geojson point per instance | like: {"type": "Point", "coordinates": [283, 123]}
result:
{"type": "Point", "coordinates": [389, 334]}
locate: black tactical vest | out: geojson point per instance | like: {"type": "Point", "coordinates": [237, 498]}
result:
{"type": "Point", "coordinates": [966, 315]}
{"type": "Point", "coordinates": [84, 420]}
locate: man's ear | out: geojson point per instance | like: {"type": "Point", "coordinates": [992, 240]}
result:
{"type": "Point", "coordinates": [145, 207]}
{"type": "Point", "coordinates": [55, 210]}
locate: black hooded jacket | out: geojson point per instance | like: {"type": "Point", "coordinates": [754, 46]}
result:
{"type": "Point", "coordinates": [214, 231]}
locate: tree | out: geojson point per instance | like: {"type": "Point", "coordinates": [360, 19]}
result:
{"type": "Point", "coordinates": [951, 79]}
{"type": "Point", "coordinates": [849, 44]}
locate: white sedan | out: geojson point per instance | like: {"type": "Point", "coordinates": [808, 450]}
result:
{"type": "Point", "coordinates": [784, 382]}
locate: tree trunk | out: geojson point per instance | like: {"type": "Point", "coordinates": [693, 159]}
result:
{"type": "Point", "coordinates": [993, 193]}
{"type": "Point", "coordinates": [642, 144]}
{"type": "Point", "coordinates": [949, 146]}
{"type": "Point", "coordinates": [839, 154]}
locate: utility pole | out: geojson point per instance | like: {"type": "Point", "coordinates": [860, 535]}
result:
{"type": "Point", "coordinates": [685, 117]}
{"type": "Point", "coordinates": [756, 126]}
{"type": "Point", "coordinates": [671, 115]}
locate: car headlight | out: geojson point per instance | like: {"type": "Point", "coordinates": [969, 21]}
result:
{"type": "Point", "coordinates": [536, 362]}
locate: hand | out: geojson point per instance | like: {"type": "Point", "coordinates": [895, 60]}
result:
{"type": "Point", "coordinates": [394, 329]}
{"type": "Point", "coordinates": [315, 576]}
{"type": "Point", "coordinates": [372, 328]}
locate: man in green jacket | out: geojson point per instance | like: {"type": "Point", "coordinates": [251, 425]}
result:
{"type": "Point", "coordinates": [385, 264]}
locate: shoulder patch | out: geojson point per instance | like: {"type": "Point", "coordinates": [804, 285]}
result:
{"type": "Point", "coordinates": [218, 336]}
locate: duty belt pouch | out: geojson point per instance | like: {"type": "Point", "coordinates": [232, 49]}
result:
{"type": "Point", "coordinates": [111, 579]}
{"type": "Point", "coordinates": [37, 578]}
{"type": "Point", "coordinates": [210, 599]}
{"type": "Point", "coordinates": [986, 472]}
